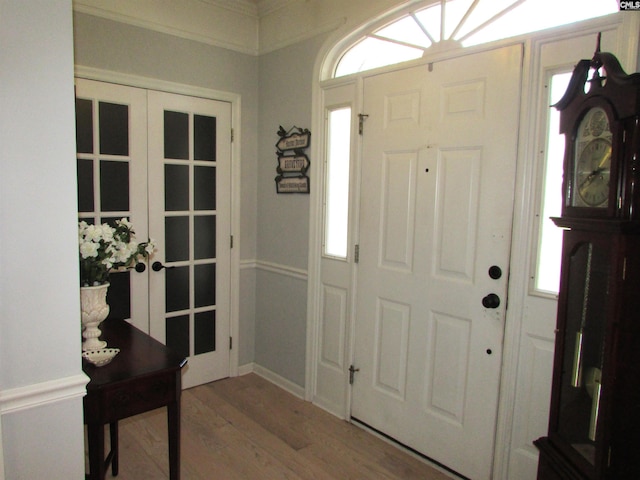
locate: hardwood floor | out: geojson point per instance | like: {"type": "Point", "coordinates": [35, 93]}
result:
{"type": "Point", "coordinates": [247, 428]}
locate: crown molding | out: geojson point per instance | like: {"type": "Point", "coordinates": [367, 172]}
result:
{"type": "Point", "coordinates": [245, 7]}
{"type": "Point", "coordinates": [267, 7]}
{"type": "Point", "coordinates": [229, 24]}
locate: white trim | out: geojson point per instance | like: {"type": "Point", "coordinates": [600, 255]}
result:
{"type": "Point", "coordinates": [272, 267]}
{"type": "Point", "coordinates": [245, 7]}
{"type": "Point", "coordinates": [282, 270]}
{"type": "Point", "coordinates": [234, 99]}
{"type": "Point", "coordinates": [245, 369]}
{"type": "Point", "coordinates": [129, 80]}
{"type": "Point", "coordinates": [39, 394]}
{"type": "Point", "coordinates": [281, 382]}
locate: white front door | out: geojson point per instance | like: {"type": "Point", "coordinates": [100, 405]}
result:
{"type": "Point", "coordinates": [164, 161]}
{"type": "Point", "coordinates": [438, 173]}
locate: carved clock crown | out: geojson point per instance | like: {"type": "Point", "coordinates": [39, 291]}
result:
{"type": "Point", "coordinates": [601, 83]}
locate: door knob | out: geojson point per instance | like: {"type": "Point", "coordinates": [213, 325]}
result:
{"type": "Point", "coordinates": [157, 266]}
{"type": "Point", "coordinates": [491, 301]}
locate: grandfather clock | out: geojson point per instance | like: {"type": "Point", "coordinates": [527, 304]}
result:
{"type": "Point", "coordinates": [594, 424]}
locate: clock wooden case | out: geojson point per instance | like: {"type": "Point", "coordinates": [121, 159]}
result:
{"type": "Point", "coordinates": [594, 423]}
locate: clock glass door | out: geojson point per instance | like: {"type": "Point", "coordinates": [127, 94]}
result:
{"type": "Point", "coordinates": [592, 162]}
{"type": "Point", "coordinates": [579, 402]}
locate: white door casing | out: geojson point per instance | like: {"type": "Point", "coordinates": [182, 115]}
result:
{"type": "Point", "coordinates": [437, 186]}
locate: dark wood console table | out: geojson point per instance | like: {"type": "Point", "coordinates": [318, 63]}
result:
{"type": "Point", "coordinates": [145, 375]}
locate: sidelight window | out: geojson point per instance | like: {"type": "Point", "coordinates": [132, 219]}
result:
{"type": "Point", "coordinates": [547, 276]}
{"type": "Point", "coordinates": [337, 188]}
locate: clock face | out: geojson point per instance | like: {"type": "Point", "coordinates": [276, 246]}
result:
{"type": "Point", "coordinates": [592, 161]}
{"type": "Point", "coordinates": [593, 171]}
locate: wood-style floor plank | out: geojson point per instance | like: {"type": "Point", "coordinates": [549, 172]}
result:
{"type": "Point", "coordinates": [247, 428]}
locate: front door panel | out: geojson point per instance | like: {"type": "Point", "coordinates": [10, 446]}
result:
{"type": "Point", "coordinates": [438, 173]}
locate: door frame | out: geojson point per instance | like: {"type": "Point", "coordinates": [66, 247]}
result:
{"type": "Point", "coordinates": [524, 208]}
{"type": "Point", "coordinates": [234, 99]}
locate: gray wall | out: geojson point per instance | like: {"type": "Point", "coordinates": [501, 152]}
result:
{"type": "Point", "coordinates": [113, 46]}
{"type": "Point", "coordinates": [275, 90]}
{"type": "Point", "coordinates": [283, 220]}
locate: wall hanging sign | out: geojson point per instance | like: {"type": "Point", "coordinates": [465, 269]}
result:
{"type": "Point", "coordinates": [297, 163]}
{"type": "Point", "coordinates": [297, 184]}
{"type": "Point", "coordinates": [295, 138]}
{"type": "Point", "coordinates": [293, 163]}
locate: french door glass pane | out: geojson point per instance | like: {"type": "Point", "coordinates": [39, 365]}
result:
{"type": "Point", "coordinates": [204, 233]}
{"type": "Point", "coordinates": [114, 129]}
{"type": "Point", "coordinates": [205, 332]}
{"type": "Point", "coordinates": [205, 285]}
{"type": "Point", "coordinates": [114, 186]}
{"type": "Point", "coordinates": [204, 138]}
{"type": "Point", "coordinates": [177, 289]}
{"type": "Point", "coordinates": [118, 296]}
{"type": "Point", "coordinates": [176, 187]}
{"type": "Point", "coordinates": [177, 330]}
{"type": "Point", "coordinates": [85, 185]}
{"type": "Point", "coordinates": [204, 184]}
{"type": "Point", "coordinates": [176, 135]}
{"type": "Point", "coordinates": [84, 125]}
{"type": "Point", "coordinates": [176, 235]}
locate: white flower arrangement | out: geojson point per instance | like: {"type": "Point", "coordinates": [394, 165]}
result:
{"type": "Point", "coordinates": [104, 249]}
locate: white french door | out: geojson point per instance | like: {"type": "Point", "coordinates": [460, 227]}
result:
{"type": "Point", "coordinates": [438, 175]}
{"type": "Point", "coordinates": [189, 205]}
{"type": "Point", "coordinates": [111, 145]}
{"type": "Point", "coordinates": [164, 161]}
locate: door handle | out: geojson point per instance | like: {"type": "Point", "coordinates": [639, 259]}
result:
{"type": "Point", "coordinates": [491, 301]}
{"type": "Point", "coordinates": [139, 267]}
{"type": "Point", "coordinates": [157, 266]}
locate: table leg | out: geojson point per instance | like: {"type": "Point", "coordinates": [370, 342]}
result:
{"type": "Point", "coordinates": [95, 438]}
{"type": "Point", "coordinates": [113, 434]}
{"type": "Point", "coordinates": [173, 423]}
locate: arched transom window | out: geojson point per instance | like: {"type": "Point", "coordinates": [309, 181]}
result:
{"type": "Point", "coordinates": [449, 24]}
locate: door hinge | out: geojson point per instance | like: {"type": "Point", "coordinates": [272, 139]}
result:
{"type": "Point", "coordinates": [230, 343]}
{"type": "Point", "coordinates": [230, 241]}
{"type": "Point", "coordinates": [356, 254]}
{"type": "Point", "coordinates": [361, 117]}
{"type": "Point", "coordinates": [352, 371]}
{"type": "Point", "coordinates": [232, 135]}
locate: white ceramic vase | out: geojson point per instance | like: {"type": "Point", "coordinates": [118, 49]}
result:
{"type": "Point", "coordinates": [94, 309]}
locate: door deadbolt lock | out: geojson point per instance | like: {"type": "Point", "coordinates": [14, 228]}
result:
{"type": "Point", "coordinates": [495, 272]}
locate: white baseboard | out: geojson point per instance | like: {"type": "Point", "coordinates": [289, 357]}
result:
{"type": "Point", "coordinates": [245, 369]}
{"type": "Point", "coordinates": [39, 394]}
{"type": "Point", "coordinates": [272, 377]}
